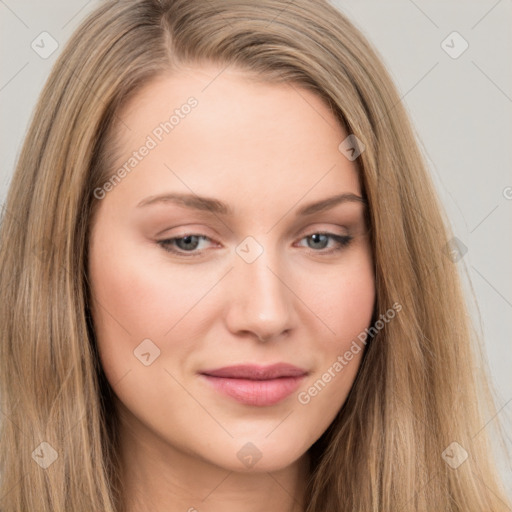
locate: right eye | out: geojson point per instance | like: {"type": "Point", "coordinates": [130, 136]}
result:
{"type": "Point", "coordinates": [187, 245]}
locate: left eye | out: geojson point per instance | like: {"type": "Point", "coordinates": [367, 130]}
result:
{"type": "Point", "coordinates": [189, 243]}
{"type": "Point", "coordinates": [319, 239]}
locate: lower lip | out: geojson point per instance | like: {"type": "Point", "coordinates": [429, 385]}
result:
{"type": "Point", "coordinates": [256, 392]}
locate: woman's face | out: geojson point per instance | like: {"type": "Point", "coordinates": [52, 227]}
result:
{"type": "Point", "coordinates": [223, 316]}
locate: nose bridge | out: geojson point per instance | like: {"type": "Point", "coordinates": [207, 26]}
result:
{"type": "Point", "coordinates": [261, 300]}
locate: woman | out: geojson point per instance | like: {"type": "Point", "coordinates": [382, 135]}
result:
{"type": "Point", "coordinates": [224, 278]}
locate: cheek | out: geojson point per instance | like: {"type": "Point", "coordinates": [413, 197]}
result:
{"type": "Point", "coordinates": [128, 302]}
{"type": "Point", "coordinates": [137, 296]}
{"type": "Point", "coordinates": [144, 297]}
{"type": "Point", "coordinates": [343, 298]}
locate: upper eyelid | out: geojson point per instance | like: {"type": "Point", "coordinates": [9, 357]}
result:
{"type": "Point", "coordinates": [354, 221]}
{"type": "Point", "coordinates": [301, 235]}
{"type": "Point", "coordinates": [302, 232]}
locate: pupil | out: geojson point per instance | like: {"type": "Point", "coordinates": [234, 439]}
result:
{"type": "Point", "coordinates": [187, 240]}
{"type": "Point", "coordinates": [316, 240]}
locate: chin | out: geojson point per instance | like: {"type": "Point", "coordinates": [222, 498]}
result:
{"type": "Point", "coordinates": [259, 455]}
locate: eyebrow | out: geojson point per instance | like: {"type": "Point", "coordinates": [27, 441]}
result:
{"type": "Point", "coordinates": [213, 205]}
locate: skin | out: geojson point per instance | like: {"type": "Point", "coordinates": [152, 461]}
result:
{"type": "Point", "coordinates": [266, 150]}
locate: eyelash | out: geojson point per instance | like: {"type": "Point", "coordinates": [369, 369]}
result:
{"type": "Point", "coordinates": [342, 240]}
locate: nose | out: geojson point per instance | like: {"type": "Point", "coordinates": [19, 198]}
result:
{"type": "Point", "coordinates": [261, 301]}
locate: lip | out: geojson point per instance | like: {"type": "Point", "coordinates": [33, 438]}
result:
{"type": "Point", "coordinates": [256, 385]}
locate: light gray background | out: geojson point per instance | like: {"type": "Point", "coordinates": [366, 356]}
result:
{"type": "Point", "coordinates": [461, 109]}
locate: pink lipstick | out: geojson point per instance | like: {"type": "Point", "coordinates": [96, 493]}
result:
{"type": "Point", "coordinates": [256, 385]}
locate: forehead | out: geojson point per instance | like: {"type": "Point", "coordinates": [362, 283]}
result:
{"type": "Point", "coordinates": [249, 139]}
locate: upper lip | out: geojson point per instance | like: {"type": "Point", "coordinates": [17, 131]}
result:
{"type": "Point", "coordinates": [255, 372]}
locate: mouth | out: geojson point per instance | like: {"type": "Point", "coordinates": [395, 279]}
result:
{"type": "Point", "coordinates": [256, 385]}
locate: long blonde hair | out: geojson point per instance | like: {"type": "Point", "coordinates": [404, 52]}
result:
{"type": "Point", "coordinates": [417, 390]}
